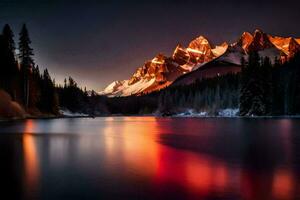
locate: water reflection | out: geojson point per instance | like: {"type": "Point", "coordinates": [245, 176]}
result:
{"type": "Point", "coordinates": [30, 160]}
{"type": "Point", "coordinates": [154, 158]}
{"type": "Point", "coordinates": [283, 184]}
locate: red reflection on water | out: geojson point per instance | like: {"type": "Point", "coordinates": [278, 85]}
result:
{"type": "Point", "coordinates": [199, 175]}
{"type": "Point", "coordinates": [283, 185]}
{"type": "Point", "coordinates": [268, 185]}
{"type": "Point", "coordinates": [136, 143]}
{"type": "Point", "coordinates": [256, 185]}
{"type": "Point", "coordinates": [31, 162]}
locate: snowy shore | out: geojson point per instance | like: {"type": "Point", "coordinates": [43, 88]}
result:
{"type": "Point", "coordinates": [221, 113]}
{"type": "Point", "coordinates": [226, 113]}
{"type": "Point", "coordinates": [67, 113]}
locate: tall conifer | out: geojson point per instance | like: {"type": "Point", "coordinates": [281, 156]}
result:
{"type": "Point", "coordinates": [26, 63]}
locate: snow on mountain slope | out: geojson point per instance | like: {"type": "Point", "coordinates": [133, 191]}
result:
{"type": "Point", "coordinates": [244, 41]}
{"type": "Point", "coordinates": [125, 89]}
{"type": "Point", "coordinates": [220, 50]}
{"type": "Point", "coordinates": [288, 45]}
{"type": "Point", "coordinates": [211, 69]}
{"type": "Point", "coordinates": [272, 53]}
{"type": "Point", "coordinates": [200, 50]}
{"type": "Point", "coordinates": [260, 42]}
{"type": "Point", "coordinates": [153, 75]}
{"type": "Point", "coordinates": [200, 60]}
{"type": "Point", "coordinates": [161, 71]}
{"type": "Point", "coordinates": [113, 88]}
{"type": "Point", "coordinates": [233, 54]}
{"type": "Point", "coordinates": [138, 87]}
{"type": "Point", "coordinates": [230, 60]}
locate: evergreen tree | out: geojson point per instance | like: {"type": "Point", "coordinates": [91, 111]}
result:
{"type": "Point", "coordinates": [266, 81]}
{"type": "Point", "coordinates": [8, 64]}
{"type": "Point", "coordinates": [49, 100]}
{"type": "Point", "coordinates": [34, 87]}
{"type": "Point", "coordinates": [71, 97]}
{"type": "Point", "coordinates": [251, 95]}
{"type": "Point", "coordinates": [9, 37]}
{"type": "Point", "coordinates": [294, 91]}
{"type": "Point", "coordinates": [26, 63]}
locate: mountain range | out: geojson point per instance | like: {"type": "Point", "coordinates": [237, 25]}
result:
{"type": "Point", "coordinates": [202, 60]}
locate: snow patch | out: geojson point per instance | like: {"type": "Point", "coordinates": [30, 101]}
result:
{"type": "Point", "coordinates": [68, 113]}
{"type": "Point", "coordinates": [229, 112]}
{"type": "Point", "coordinates": [114, 86]}
{"type": "Point", "coordinates": [233, 55]}
{"type": "Point", "coordinates": [122, 88]}
{"type": "Point", "coordinates": [272, 53]}
{"type": "Point", "coordinates": [219, 50]}
{"type": "Point", "coordinates": [191, 113]}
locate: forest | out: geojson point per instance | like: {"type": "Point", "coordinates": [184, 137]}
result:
{"type": "Point", "coordinates": [262, 88]}
{"type": "Point", "coordinates": [25, 91]}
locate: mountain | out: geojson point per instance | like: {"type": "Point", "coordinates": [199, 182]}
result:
{"type": "Point", "coordinates": [230, 61]}
{"type": "Point", "coordinates": [288, 45]}
{"type": "Point", "coordinates": [245, 40]}
{"type": "Point", "coordinates": [200, 59]}
{"type": "Point", "coordinates": [161, 71]}
{"type": "Point", "coordinates": [260, 42]}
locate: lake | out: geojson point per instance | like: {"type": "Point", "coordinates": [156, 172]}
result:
{"type": "Point", "coordinates": [151, 158]}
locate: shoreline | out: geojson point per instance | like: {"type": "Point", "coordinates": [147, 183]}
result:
{"type": "Point", "coordinates": [150, 115]}
{"type": "Point", "coordinates": [41, 117]}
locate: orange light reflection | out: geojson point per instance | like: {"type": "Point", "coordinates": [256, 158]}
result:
{"type": "Point", "coordinates": [283, 185]}
{"type": "Point", "coordinates": [31, 162]}
{"type": "Point", "coordinates": [137, 145]}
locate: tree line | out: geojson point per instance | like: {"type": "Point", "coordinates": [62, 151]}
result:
{"type": "Point", "coordinates": [34, 90]}
{"type": "Point", "coordinates": [270, 89]}
{"type": "Point", "coordinates": [262, 88]}
{"type": "Point", "coordinates": [21, 78]}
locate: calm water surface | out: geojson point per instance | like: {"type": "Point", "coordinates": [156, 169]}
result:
{"type": "Point", "coordinates": [150, 158]}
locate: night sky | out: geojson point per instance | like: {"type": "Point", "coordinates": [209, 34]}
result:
{"type": "Point", "coordinates": [97, 42]}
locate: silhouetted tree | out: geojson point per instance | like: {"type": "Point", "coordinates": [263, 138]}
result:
{"type": "Point", "coordinates": [49, 100]}
{"type": "Point", "coordinates": [251, 95]}
{"type": "Point", "coordinates": [8, 64]}
{"type": "Point", "coordinates": [26, 63]}
{"type": "Point", "coordinates": [266, 81]}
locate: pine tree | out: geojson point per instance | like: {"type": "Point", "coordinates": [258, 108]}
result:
{"type": "Point", "coordinates": [266, 80]}
{"type": "Point", "coordinates": [8, 66]}
{"type": "Point", "coordinates": [294, 84]}
{"type": "Point", "coordinates": [49, 100]}
{"type": "Point", "coordinates": [9, 37]}
{"type": "Point", "coordinates": [251, 95]}
{"type": "Point", "coordinates": [297, 85]}
{"type": "Point", "coordinates": [34, 87]}
{"type": "Point", "coordinates": [27, 63]}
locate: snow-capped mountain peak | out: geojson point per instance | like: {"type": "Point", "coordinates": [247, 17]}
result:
{"type": "Point", "coordinates": [245, 40]}
{"type": "Point", "coordinates": [198, 42]}
{"type": "Point", "coordinates": [220, 50]}
{"type": "Point", "coordinates": [199, 60]}
{"type": "Point", "coordinates": [288, 45]}
{"type": "Point", "coordinates": [260, 41]}
{"type": "Point", "coordinates": [200, 50]}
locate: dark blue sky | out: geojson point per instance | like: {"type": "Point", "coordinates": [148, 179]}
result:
{"type": "Point", "coordinates": [97, 42]}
